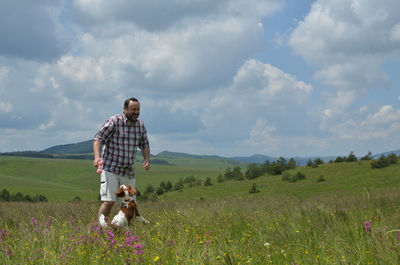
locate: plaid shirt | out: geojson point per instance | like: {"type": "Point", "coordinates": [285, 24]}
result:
{"type": "Point", "coordinates": [120, 140]}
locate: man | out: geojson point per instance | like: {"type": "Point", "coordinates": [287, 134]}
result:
{"type": "Point", "coordinates": [120, 137]}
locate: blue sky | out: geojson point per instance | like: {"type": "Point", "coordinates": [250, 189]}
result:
{"type": "Point", "coordinates": [229, 77]}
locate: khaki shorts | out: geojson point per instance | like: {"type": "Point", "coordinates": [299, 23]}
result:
{"type": "Point", "coordinates": [109, 184]}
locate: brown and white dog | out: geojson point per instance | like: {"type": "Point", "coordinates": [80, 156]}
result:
{"type": "Point", "coordinates": [128, 210]}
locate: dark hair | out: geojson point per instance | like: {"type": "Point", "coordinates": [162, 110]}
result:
{"type": "Point", "coordinates": [126, 103]}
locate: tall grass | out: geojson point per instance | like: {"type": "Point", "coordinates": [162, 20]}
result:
{"type": "Point", "coordinates": [353, 229]}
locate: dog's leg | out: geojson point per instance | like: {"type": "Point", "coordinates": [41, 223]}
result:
{"type": "Point", "coordinates": [143, 220]}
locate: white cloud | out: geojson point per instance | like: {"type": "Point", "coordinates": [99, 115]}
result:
{"type": "Point", "coordinates": [385, 116]}
{"type": "Point", "coordinates": [349, 40]}
{"type": "Point", "coordinates": [261, 135]}
{"type": "Point", "coordinates": [6, 107]}
{"type": "Point", "coordinates": [395, 33]}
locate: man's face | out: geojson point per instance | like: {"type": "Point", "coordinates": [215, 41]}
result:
{"type": "Point", "coordinates": [133, 110]}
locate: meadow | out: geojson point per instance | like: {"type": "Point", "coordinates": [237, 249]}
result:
{"type": "Point", "coordinates": [62, 180]}
{"type": "Point", "coordinates": [350, 218]}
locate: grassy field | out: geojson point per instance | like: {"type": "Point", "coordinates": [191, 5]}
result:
{"type": "Point", "coordinates": [350, 218]}
{"type": "Point", "coordinates": [64, 179]}
{"type": "Point", "coordinates": [351, 229]}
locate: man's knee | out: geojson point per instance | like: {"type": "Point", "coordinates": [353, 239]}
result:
{"type": "Point", "coordinates": [108, 204]}
{"type": "Point", "coordinates": [106, 207]}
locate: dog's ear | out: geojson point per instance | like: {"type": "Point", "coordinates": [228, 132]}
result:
{"type": "Point", "coordinates": [120, 193]}
{"type": "Point", "coordinates": [131, 191]}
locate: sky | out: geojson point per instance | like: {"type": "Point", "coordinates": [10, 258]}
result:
{"type": "Point", "coordinates": [227, 77]}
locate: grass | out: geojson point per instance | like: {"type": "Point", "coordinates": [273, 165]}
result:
{"type": "Point", "coordinates": [64, 179]}
{"type": "Point", "coordinates": [351, 218]}
{"type": "Point", "coordinates": [252, 230]}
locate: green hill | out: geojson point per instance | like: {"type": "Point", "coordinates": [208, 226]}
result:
{"type": "Point", "coordinates": [65, 179]}
{"type": "Point", "coordinates": [75, 148]}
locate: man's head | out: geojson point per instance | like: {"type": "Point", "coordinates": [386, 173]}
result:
{"type": "Point", "coordinates": [132, 109]}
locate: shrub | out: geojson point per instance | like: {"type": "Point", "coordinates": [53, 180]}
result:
{"type": "Point", "coordinates": [168, 186]}
{"type": "Point", "coordinates": [160, 190]}
{"type": "Point", "coordinates": [220, 178]}
{"type": "Point", "coordinates": [392, 158]}
{"type": "Point", "coordinates": [148, 196]}
{"type": "Point", "coordinates": [76, 199]}
{"type": "Point", "coordinates": [254, 189]}
{"type": "Point", "coordinates": [179, 185]}
{"type": "Point", "coordinates": [286, 176]}
{"type": "Point", "coordinates": [149, 189]}
{"type": "Point", "coordinates": [321, 178]}
{"type": "Point", "coordinates": [300, 175]}
{"type": "Point", "coordinates": [380, 163]}
{"type": "Point", "coordinates": [189, 179]}
{"type": "Point", "coordinates": [207, 182]}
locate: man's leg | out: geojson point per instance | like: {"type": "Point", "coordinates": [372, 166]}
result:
{"type": "Point", "coordinates": [105, 208]}
{"type": "Point", "coordinates": [108, 187]}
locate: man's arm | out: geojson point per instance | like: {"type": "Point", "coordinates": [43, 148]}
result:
{"type": "Point", "coordinates": [96, 152]}
{"type": "Point", "coordinates": [146, 158]}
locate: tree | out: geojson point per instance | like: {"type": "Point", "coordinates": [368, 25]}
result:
{"type": "Point", "coordinates": [228, 173]}
{"type": "Point", "coordinates": [392, 158]}
{"type": "Point", "coordinates": [237, 173]}
{"type": "Point", "coordinates": [291, 164]}
{"type": "Point", "coordinates": [282, 162]}
{"type": "Point", "coordinates": [266, 167]}
{"type": "Point", "coordinates": [5, 195]}
{"type": "Point", "coordinates": [339, 159]}
{"type": "Point", "coordinates": [277, 168]}
{"type": "Point", "coordinates": [319, 161]}
{"type": "Point", "coordinates": [253, 171]}
{"type": "Point", "coordinates": [367, 156]}
{"type": "Point", "coordinates": [168, 186]}
{"type": "Point", "coordinates": [351, 157]}
{"type": "Point", "coordinates": [163, 186]}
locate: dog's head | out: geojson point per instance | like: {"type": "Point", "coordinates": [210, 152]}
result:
{"type": "Point", "coordinates": [125, 192]}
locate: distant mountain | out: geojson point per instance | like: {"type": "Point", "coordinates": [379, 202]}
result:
{"type": "Point", "coordinates": [75, 148]}
{"type": "Point", "coordinates": [254, 158]}
{"type": "Point", "coordinates": [84, 150]}
{"type": "Point", "coordinates": [184, 155]}
{"type": "Point", "coordinates": [396, 152]}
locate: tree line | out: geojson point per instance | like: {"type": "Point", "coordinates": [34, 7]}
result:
{"type": "Point", "coordinates": [19, 197]}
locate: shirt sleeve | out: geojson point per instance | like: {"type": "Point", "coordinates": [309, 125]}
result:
{"type": "Point", "coordinates": [144, 142]}
{"type": "Point", "coordinates": [105, 132]}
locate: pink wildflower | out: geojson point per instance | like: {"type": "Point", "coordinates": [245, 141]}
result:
{"type": "Point", "coordinates": [367, 226]}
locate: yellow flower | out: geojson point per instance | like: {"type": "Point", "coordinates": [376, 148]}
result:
{"type": "Point", "coordinates": [156, 258]}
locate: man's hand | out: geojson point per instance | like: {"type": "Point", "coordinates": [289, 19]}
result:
{"type": "Point", "coordinates": [96, 162]}
{"type": "Point", "coordinates": [146, 158]}
{"type": "Point", "coordinates": [146, 165]}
